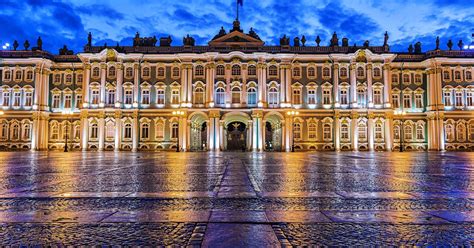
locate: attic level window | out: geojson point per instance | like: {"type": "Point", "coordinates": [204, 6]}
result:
{"type": "Point", "coordinates": [146, 72]}
{"type": "Point", "coordinates": [377, 72]}
{"type": "Point", "coordinates": [343, 72]}
{"type": "Point", "coordinates": [235, 70]}
{"type": "Point", "coordinates": [272, 71]}
{"type": "Point", "coordinates": [326, 72]}
{"type": "Point", "coordinates": [311, 72]}
{"type": "Point", "coordinates": [18, 75]}
{"type": "Point", "coordinates": [360, 72]}
{"type": "Point", "coordinates": [175, 72]}
{"type": "Point", "coordinates": [129, 72]}
{"type": "Point", "coordinates": [220, 70]}
{"type": "Point", "coordinates": [79, 78]}
{"type": "Point", "coordinates": [112, 71]}
{"type": "Point", "coordinates": [296, 72]}
{"type": "Point", "coordinates": [160, 72]}
{"type": "Point", "coordinates": [29, 75]}
{"type": "Point", "coordinates": [252, 71]}
{"type": "Point", "coordinates": [199, 70]}
{"type": "Point", "coordinates": [96, 72]}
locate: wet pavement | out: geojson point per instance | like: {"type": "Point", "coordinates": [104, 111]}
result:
{"type": "Point", "coordinates": [230, 199]}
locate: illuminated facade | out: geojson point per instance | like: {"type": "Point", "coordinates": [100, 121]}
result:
{"type": "Point", "coordinates": [236, 93]}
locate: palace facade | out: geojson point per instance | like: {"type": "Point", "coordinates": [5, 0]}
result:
{"type": "Point", "coordinates": [237, 94]}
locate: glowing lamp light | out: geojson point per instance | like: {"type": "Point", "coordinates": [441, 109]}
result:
{"type": "Point", "coordinates": [35, 107]}
{"type": "Point", "coordinates": [85, 105]}
{"type": "Point", "coordinates": [117, 105]}
{"type": "Point", "coordinates": [227, 105]}
{"type": "Point", "coordinates": [2, 113]}
{"type": "Point", "coordinates": [211, 104]}
{"type": "Point", "coordinates": [260, 104]}
{"type": "Point", "coordinates": [135, 105]}
{"type": "Point", "coordinates": [337, 105]}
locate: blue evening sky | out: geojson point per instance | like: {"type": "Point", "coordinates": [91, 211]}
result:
{"type": "Point", "coordinates": [112, 21]}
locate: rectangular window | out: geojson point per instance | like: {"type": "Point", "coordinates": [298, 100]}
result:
{"type": "Point", "coordinates": [312, 96]}
{"type": "Point", "coordinates": [458, 96]}
{"type": "Point", "coordinates": [407, 101]}
{"type": "Point", "coordinates": [344, 132]}
{"type": "Point", "coordinates": [160, 96]}
{"type": "Point", "coordinates": [396, 101]}
{"type": "Point", "coordinates": [447, 98]}
{"type": "Point", "coordinates": [128, 95]}
{"type": "Point", "coordinates": [326, 96]}
{"type": "Point", "coordinates": [378, 131]}
{"type": "Point", "coordinates": [175, 96]}
{"type": "Point", "coordinates": [95, 96]}
{"type": "Point", "coordinates": [110, 97]}
{"type": "Point", "coordinates": [16, 99]}
{"type": "Point", "coordinates": [145, 97]}
{"type": "Point", "coordinates": [56, 101]}
{"type": "Point", "coordinates": [67, 101]}
{"type": "Point", "coordinates": [418, 101]}
{"type": "Point", "coordinates": [327, 134]}
{"type": "Point", "coordinates": [470, 98]}
{"type": "Point", "coordinates": [28, 99]}
{"type": "Point", "coordinates": [78, 101]}
{"type": "Point", "coordinates": [6, 99]}
{"type": "Point", "coordinates": [344, 99]}
{"type": "Point", "coordinates": [252, 96]}
{"type": "Point", "coordinates": [377, 96]}
{"type": "Point", "coordinates": [296, 96]}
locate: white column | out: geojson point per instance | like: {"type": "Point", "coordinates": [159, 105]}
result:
{"type": "Point", "coordinates": [101, 135]}
{"type": "Point", "coordinates": [86, 90]}
{"type": "Point", "coordinates": [353, 85]}
{"type": "Point", "coordinates": [337, 132]}
{"type": "Point", "coordinates": [189, 78]}
{"type": "Point", "coordinates": [85, 131]}
{"type": "Point", "coordinates": [118, 131]}
{"type": "Point", "coordinates": [136, 85]}
{"type": "Point", "coordinates": [282, 84]}
{"type": "Point", "coordinates": [228, 96]}
{"type": "Point", "coordinates": [264, 84]}
{"type": "Point", "coordinates": [335, 80]}
{"type": "Point", "coordinates": [250, 135]}
{"type": "Point", "coordinates": [369, 86]}
{"type": "Point", "coordinates": [135, 132]}
{"type": "Point", "coordinates": [187, 137]}
{"type": "Point", "coordinates": [184, 86]}
{"type": "Point", "coordinates": [260, 85]}
{"type": "Point", "coordinates": [288, 86]}
{"type": "Point", "coordinates": [119, 89]}
{"type": "Point", "coordinates": [288, 126]}
{"type": "Point", "coordinates": [387, 86]}
{"type": "Point", "coordinates": [221, 135]}
{"type": "Point", "coordinates": [38, 87]}
{"type": "Point", "coordinates": [212, 74]}
{"type": "Point", "coordinates": [103, 77]}
{"type": "Point", "coordinates": [355, 133]}
{"type": "Point", "coordinates": [388, 124]}
{"type": "Point", "coordinates": [370, 128]}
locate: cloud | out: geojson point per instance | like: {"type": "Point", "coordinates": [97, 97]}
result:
{"type": "Point", "coordinates": [68, 22]}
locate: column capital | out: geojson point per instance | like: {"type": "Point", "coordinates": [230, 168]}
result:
{"type": "Point", "coordinates": [352, 66]}
{"type": "Point", "coordinates": [336, 66]}
{"type": "Point", "coordinates": [87, 66]}
{"type": "Point", "coordinates": [386, 67]}
{"type": "Point", "coordinates": [103, 65]}
{"type": "Point", "coordinates": [369, 66]}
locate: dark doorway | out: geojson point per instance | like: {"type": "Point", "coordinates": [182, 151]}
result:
{"type": "Point", "coordinates": [236, 136]}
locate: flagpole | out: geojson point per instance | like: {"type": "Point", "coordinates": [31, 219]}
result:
{"type": "Point", "coordinates": [237, 5]}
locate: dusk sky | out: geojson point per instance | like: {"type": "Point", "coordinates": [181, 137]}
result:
{"type": "Point", "coordinates": [68, 22]}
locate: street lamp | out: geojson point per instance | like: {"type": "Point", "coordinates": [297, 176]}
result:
{"type": "Point", "coordinates": [178, 114]}
{"type": "Point", "coordinates": [67, 113]}
{"type": "Point", "coordinates": [292, 114]}
{"type": "Point", "coordinates": [6, 46]}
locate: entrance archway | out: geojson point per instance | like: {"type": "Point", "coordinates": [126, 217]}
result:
{"type": "Point", "coordinates": [273, 131]}
{"type": "Point", "coordinates": [236, 136]}
{"type": "Point", "coordinates": [198, 132]}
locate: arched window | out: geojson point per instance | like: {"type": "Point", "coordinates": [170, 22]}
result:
{"type": "Point", "coordinates": [3, 130]}
{"type": "Point", "coordinates": [344, 96]}
{"type": "Point", "coordinates": [29, 75]}
{"type": "Point", "coordinates": [449, 132]}
{"type": "Point", "coordinates": [251, 96]}
{"type": "Point", "coordinates": [220, 70]}
{"type": "Point", "coordinates": [199, 70]}
{"type": "Point", "coordinates": [68, 78]}
{"type": "Point", "coordinates": [159, 131]}
{"type": "Point", "coordinates": [395, 78]}
{"type": "Point", "coordinates": [468, 76]}
{"type": "Point", "coordinates": [220, 95]}
{"type": "Point", "coordinates": [273, 97]}
{"type": "Point", "coordinates": [94, 131]}
{"type": "Point", "coordinates": [174, 130]}
{"type": "Point", "coordinates": [417, 78]}
{"type": "Point", "coordinates": [110, 96]}
{"type": "Point", "coordinates": [128, 96]}
{"type": "Point", "coordinates": [8, 75]}
{"type": "Point", "coordinates": [109, 130]}
{"type": "Point", "coordinates": [377, 72]}
{"type": "Point", "coordinates": [362, 131]}
{"type": "Point", "coordinates": [18, 75]}
{"type": "Point", "coordinates": [311, 96]}
{"type": "Point", "coordinates": [145, 131]}
{"type": "Point", "coordinates": [296, 72]}
{"type": "Point", "coordinates": [446, 75]}
{"type": "Point", "coordinates": [457, 75]}
{"type": "Point", "coordinates": [198, 95]}
{"type": "Point", "coordinates": [406, 78]}
{"type": "Point", "coordinates": [112, 71]}
{"type": "Point", "coordinates": [57, 78]}
{"type": "Point", "coordinates": [408, 132]}
{"type": "Point", "coordinates": [327, 131]}
{"type": "Point", "coordinates": [378, 95]}
{"type": "Point", "coordinates": [145, 96]}
{"type": "Point", "coordinates": [311, 72]}
{"type": "Point", "coordinates": [378, 131]}
{"type": "Point", "coordinates": [361, 96]}
{"type": "Point", "coordinates": [344, 131]}
{"type": "Point", "coordinates": [54, 131]}
{"type": "Point", "coordinates": [96, 72]}
{"type": "Point", "coordinates": [129, 72]}
{"type": "Point", "coordinates": [461, 132]}
{"type": "Point", "coordinates": [160, 72]}
{"type": "Point", "coordinates": [252, 70]}
{"type": "Point", "coordinates": [297, 131]}
{"type": "Point", "coordinates": [127, 134]}
{"type": "Point", "coordinates": [15, 132]}
{"type": "Point", "coordinates": [312, 131]}
{"type": "Point", "coordinates": [6, 97]}
{"type": "Point", "coordinates": [272, 70]}
{"type": "Point", "coordinates": [146, 72]}
{"type": "Point", "coordinates": [175, 72]}
{"type": "Point", "coordinates": [360, 72]}
{"type": "Point", "coordinates": [420, 132]}
{"type": "Point", "coordinates": [235, 70]}
{"type": "Point", "coordinates": [160, 96]}
{"type": "Point", "coordinates": [471, 131]}
{"type": "Point", "coordinates": [235, 95]}
{"type": "Point", "coordinates": [327, 99]}
{"type": "Point", "coordinates": [26, 131]}
{"type": "Point", "coordinates": [396, 132]}
{"type": "Point", "coordinates": [343, 72]}
{"type": "Point", "coordinates": [326, 72]}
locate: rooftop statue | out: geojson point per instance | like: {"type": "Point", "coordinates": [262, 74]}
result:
{"type": "Point", "coordinates": [345, 42]}
{"type": "Point", "coordinates": [188, 40]}
{"type": "Point", "coordinates": [284, 41]}
{"type": "Point", "coordinates": [15, 45]}
{"type": "Point", "coordinates": [460, 44]}
{"type": "Point", "coordinates": [303, 40]}
{"type": "Point", "coordinates": [334, 40]}
{"type": "Point", "coordinates": [437, 43]}
{"type": "Point", "coordinates": [410, 48]}
{"type": "Point", "coordinates": [26, 44]}
{"type": "Point", "coordinates": [418, 47]}
{"type": "Point", "coordinates": [366, 44]}
{"type": "Point", "coordinates": [89, 39]}
{"type": "Point", "coordinates": [39, 43]}
{"type": "Point", "coordinates": [65, 51]}
{"type": "Point", "coordinates": [318, 40]}
{"type": "Point", "coordinates": [450, 45]}
{"type": "Point", "coordinates": [253, 34]}
{"type": "Point", "coordinates": [385, 39]}
{"type": "Point", "coordinates": [296, 41]}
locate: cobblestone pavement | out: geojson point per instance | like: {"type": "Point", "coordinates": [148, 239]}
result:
{"type": "Point", "coordinates": [236, 199]}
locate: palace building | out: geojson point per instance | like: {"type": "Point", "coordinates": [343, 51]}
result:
{"type": "Point", "coordinates": [236, 93]}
